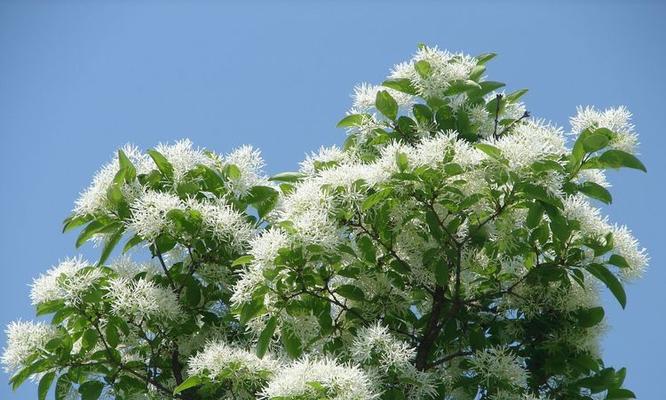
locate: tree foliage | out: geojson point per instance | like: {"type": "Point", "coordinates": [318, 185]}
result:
{"type": "Point", "coordinates": [450, 250]}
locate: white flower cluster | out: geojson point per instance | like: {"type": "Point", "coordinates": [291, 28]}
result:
{"type": "Point", "coordinates": [149, 214]}
{"type": "Point", "coordinates": [223, 222]}
{"type": "Point", "coordinates": [499, 364]}
{"type": "Point", "coordinates": [94, 199]}
{"type": "Point", "coordinates": [64, 282]}
{"type": "Point", "coordinates": [529, 142]}
{"type": "Point", "coordinates": [321, 379]}
{"type": "Point", "coordinates": [137, 299]}
{"type": "Point", "coordinates": [221, 362]}
{"type": "Point", "coordinates": [617, 120]}
{"type": "Point", "coordinates": [443, 68]}
{"type": "Point", "coordinates": [183, 157]}
{"type": "Point", "coordinates": [264, 249]}
{"type": "Point", "coordinates": [595, 225]}
{"type": "Point", "coordinates": [23, 340]}
{"type": "Point", "coordinates": [250, 164]}
{"type": "Point", "coordinates": [149, 217]}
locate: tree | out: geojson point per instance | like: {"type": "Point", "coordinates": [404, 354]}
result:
{"type": "Point", "coordinates": [450, 250]}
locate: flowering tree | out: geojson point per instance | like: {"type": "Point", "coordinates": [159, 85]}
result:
{"type": "Point", "coordinates": [450, 250]}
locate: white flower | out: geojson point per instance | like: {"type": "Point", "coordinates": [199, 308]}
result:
{"type": "Point", "coordinates": [149, 214]}
{"type": "Point", "coordinates": [431, 151]}
{"type": "Point", "coordinates": [141, 298]}
{"type": "Point", "coordinates": [618, 120]}
{"type": "Point", "coordinates": [223, 222]}
{"type": "Point", "coordinates": [325, 155]}
{"type": "Point", "coordinates": [221, 362]}
{"type": "Point", "coordinates": [94, 199]}
{"type": "Point", "coordinates": [264, 248]}
{"type": "Point", "coordinates": [64, 282]}
{"type": "Point", "coordinates": [530, 142]}
{"type": "Point", "coordinates": [23, 340]}
{"type": "Point", "coordinates": [578, 208]}
{"type": "Point", "coordinates": [365, 95]}
{"type": "Point", "coordinates": [324, 378]}
{"type": "Point", "coordinates": [250, 164]}
{"type": "Point", "coordinates": [627, 246]}
{"type": "Point", "coordinates": [499, 364]}
{"type": "Point", "coordinates": [183, 157]}
{"type": "Point", "coordinates": [308, 208]}
{"type": "Point", "coordinates": [376, 343]}
{"type": "Point", "coordinates": [445, 68]}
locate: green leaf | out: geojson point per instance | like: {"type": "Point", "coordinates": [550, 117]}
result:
{"type": "Point", "coordinates": [91, 390]}
{"type": "Point", "coordinates": [75, 221]}
{"type": "Point", "coordinates": [45, 385]}
{"type": "Point", "coordinates": [62, 387]}
{"type": "Point", "coordinates": [111, 333]}
{"type": "Point", "coordinates": [136, 239]}
{"type": "Point", "coordinates": [375, 198]}
{"type": "Point", "coordinates": [534, 215]}
{"type": "Point", "coordinates": [265, 337]}
{"type": "Point", "coordinates": [618, 261]}
{"type": "Point", "coordinates": [287, 177]}
{"type": "Point", "coordinates": [386, 105]}
{"type": "Point", "coordinates": [595, 141]}
{"type": "Point", "coordinates": [367, 249]}
{"type": "Point", "coordinates": [402, 161]}
{"type": "Point", "coordinates": [192, 381]}
{"type": "Point", "coordinates": [351, 120]}
{"type": "Point", "coordinates": [483, 58]}
{"type": "Point", "coordinates": [350, 292]}
{"type": "Point", "coordinates": [88, 232]}
{"type": "Point", "coordinates": [490, 150]}
{"type": "Point", "coordinates": [250, 310]}
{"type": "Point", "coordinates": [515, 96]}
{"type": "Point", "coordinates": [89, 339]}
{"type": "Point", "coordinates": [590, 317]}
{"type": "Point", "coordinates": [403, 85]}
{"type": "Point", "coordinates": [610, 280]}
{"type": "Point", "coordinates": [596, 191]}
{"type": "Point", "coordinates": [126, 166]}
{"type": "Point", "coordinates": [619, 394]}
{"type": "Point", "coordinates": [539, 193]}
{"type": "Point", "coordinates": [485, 88]}
{"type": "Point", "coordinates": [192, 293]}
{"type": "Point", "coordinates": [291, 342]}
{"type": "Point", "coordinates": [162, 163]}
{"type": "Point", "coordinates": [423, 68]}
{"type": "Point", "coordinates": [264, 199]}
{"type": "Point", "coordinates": [619, 158]}
{"type": "Point", "coordinates": [243, 260]}
{"type": "Point", "coordinates": [110, 244]}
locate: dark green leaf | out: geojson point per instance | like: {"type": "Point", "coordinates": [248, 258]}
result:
{"type": "Point", "coordinates": [91, 390]}
{"type": "Point", "coordinates": [401, 85]}
{"type": "Point", "coordinates": [386, 105]}
{"type": "Point", "coordinates": [351, 120]}
{"type": "Point", "coordinates": [45, 385]}
{"type": "Point", "coordinates": [287, 177]}
{"type": "Point", "coordinates": [423, 68]}
{"type": "Point", "coordinates": [619, 158]}
{"type": "Point", "coordinates": [596, 192]}
{"type": "Point", "coordinates": [162, 163]}
{"type": "Point", "coordinates": [350, 292]}
{"type": "Point", "coordinates": [265, 337]}
{"type": "Point", "coordinates": [192, 381]}
{"type": "Point", "coordinates": [610, 280]}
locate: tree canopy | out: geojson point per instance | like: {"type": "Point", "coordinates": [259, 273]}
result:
{"type": "Point", "coordinates": [451, 249]}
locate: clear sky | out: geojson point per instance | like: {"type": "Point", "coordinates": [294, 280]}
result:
{"type": "Point", "coordinates": [78, 79]}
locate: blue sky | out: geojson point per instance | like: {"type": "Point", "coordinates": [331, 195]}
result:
{"type": "Point", "coordinates": [78, 79]}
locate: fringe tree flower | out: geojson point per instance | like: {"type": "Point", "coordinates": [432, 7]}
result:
{"type": "Point", "coordinates": [23, 340]}
{"type": "Point", "coordinates": [320, 379]}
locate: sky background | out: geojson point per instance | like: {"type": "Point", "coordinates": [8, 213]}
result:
{"type": "Point", "coordinates": [79, 79]}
